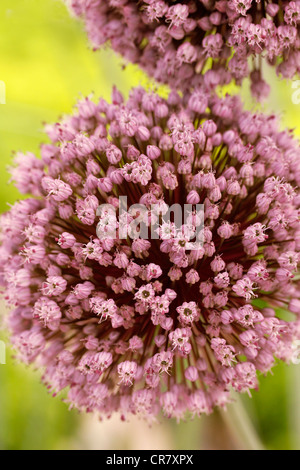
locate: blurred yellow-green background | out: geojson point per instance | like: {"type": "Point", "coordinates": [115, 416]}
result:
{"type": "Point", "coordinates": [46, 64]}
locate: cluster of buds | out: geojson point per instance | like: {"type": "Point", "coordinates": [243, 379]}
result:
{"type": "Point", "coordinates": [136, 325]}
{"type": "Point", "coordinates": [194, 43]}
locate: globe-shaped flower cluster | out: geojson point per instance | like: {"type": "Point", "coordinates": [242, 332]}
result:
{"type": "Point", "coordinates": [136, 325]}
{"type": "Point", "coordinates": [194, 42]}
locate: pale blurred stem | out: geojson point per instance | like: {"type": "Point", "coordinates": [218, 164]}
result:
{"type": "Point", "coordinates": [241, 427]}
{"type": "Point", "coordinates": [293, 374]}
{"type": "Point", "coordinates": [230, 429]}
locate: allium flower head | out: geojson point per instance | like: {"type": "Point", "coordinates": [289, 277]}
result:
{"type": "Point", "coordinates": [190, 43]}
{"type": "Point", "coordinates": [139, 325]}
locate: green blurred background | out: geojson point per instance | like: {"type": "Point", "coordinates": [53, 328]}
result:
{"type": "Point", "coordinates": [46, 65]}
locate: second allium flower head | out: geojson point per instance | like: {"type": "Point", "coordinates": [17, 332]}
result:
{"type": "Point", "coordinates": [189, 43]}
{"type": "Point", "coordinates": [136, 326]}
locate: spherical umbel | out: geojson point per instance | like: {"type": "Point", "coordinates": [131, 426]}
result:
{"type": "Point", "coordinates": [139, 325]}
{"type": "Point", "coordinates": [196, 42]}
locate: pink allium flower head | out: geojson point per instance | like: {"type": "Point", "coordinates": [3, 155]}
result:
{"type": "Point", "coordinates": [173, 43]}
{"type": "Point", "coordinates": [136, 325]}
